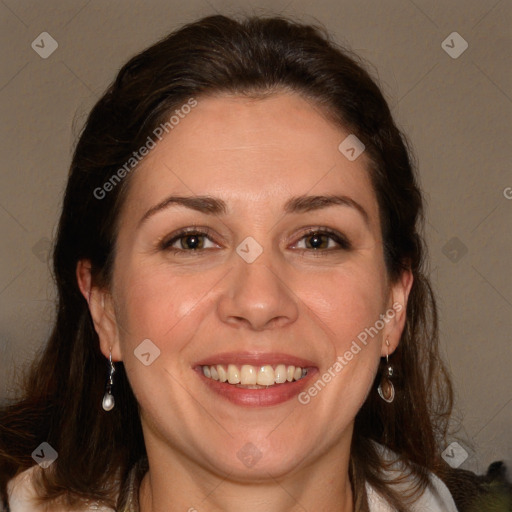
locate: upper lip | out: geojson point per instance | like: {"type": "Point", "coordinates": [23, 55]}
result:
{"type": "Point", "coordinates": [255, 359]}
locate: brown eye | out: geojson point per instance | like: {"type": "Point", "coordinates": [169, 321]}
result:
{"type": "Point", "coordinates": [325, 241]}
{"type": "Point", "coordinates": [317, 241]}
{"type": "Point", "coordinates": [188, 241]}
{"type": "Point", "coordinates": [195, 241]}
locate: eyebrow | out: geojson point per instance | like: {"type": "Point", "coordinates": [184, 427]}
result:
{"type": "Point", "coordinates": [214, 206]}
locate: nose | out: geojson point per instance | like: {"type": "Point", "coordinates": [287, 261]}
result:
{"type": "Point", "coordinates": [255, 296]}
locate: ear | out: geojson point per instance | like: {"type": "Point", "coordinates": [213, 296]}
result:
{"type": "Point", "coordinates": [399, 295]}
{"type": "Point", "coordinates": [101, 307]}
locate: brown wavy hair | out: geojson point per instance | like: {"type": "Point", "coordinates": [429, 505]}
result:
{"type": "Point", "coordinates": [257, 56]}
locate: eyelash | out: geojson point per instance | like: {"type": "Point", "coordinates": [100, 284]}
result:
{"type": "Point", "coordinates": [341, 240]}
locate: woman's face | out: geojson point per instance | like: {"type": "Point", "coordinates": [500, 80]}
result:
{"type": "Point", "coordinates": [269, 278]}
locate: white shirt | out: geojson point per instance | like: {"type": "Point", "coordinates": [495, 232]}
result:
{"type": "Point", "coordinates": [441, 501]}
{"type": "Point", "coordinates": [437, 500]}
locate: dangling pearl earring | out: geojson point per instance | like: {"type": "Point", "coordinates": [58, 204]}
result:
{"type": "Point", "coordinates": [386, 389]}
{"type": "Point", "coordinates": [108, 398]}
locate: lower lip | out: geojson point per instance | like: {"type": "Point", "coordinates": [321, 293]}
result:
{"type": "Point", "coordinates": [264, 397]}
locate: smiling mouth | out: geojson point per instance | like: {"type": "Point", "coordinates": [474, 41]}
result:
{"type": "Point", "coordinates": [254, 377]}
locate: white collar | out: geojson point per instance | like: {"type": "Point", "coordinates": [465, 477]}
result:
{"type": "Point", "coordinates": [438, 499]}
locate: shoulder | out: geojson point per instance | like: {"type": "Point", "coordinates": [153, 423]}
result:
{"type": "Point", "coordinates": [437, 499]}
{"type": "Point", "coordinates": [22, 496]}
{"type": "Point", "coordinates": [21, 493]}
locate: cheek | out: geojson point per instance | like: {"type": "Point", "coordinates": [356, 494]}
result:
{"type": "Point", "coordinates": [158, 304]}
{"type": "Point", "coordinates": [347, 301]}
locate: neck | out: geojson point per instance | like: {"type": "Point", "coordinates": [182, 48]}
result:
{"type": "Point", "coordinates": [177, 484]}
{"type": "Point", "coordinates": [228, 496]}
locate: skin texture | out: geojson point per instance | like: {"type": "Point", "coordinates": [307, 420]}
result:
{"type": "Point", "coordinates": [310, 303]}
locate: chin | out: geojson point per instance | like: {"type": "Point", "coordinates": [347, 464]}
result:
{"type": "Point", "coordinates": [246, 461]}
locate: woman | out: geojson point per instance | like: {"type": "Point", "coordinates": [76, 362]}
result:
{"type": "Point", "coordinates": [239, 255]}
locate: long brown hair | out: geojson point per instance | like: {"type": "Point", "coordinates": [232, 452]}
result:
{"type": "Point", "coordinates": [61, 401]}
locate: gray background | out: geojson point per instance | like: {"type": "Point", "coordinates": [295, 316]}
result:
{"type": "Point", "coordinates": [457, 113]}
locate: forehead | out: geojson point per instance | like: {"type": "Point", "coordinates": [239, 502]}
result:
{"type": "Point", "coordinates": [251, 152]}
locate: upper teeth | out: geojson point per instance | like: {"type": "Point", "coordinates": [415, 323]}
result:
{"type": "Point", "coordinates": [247, 375]}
